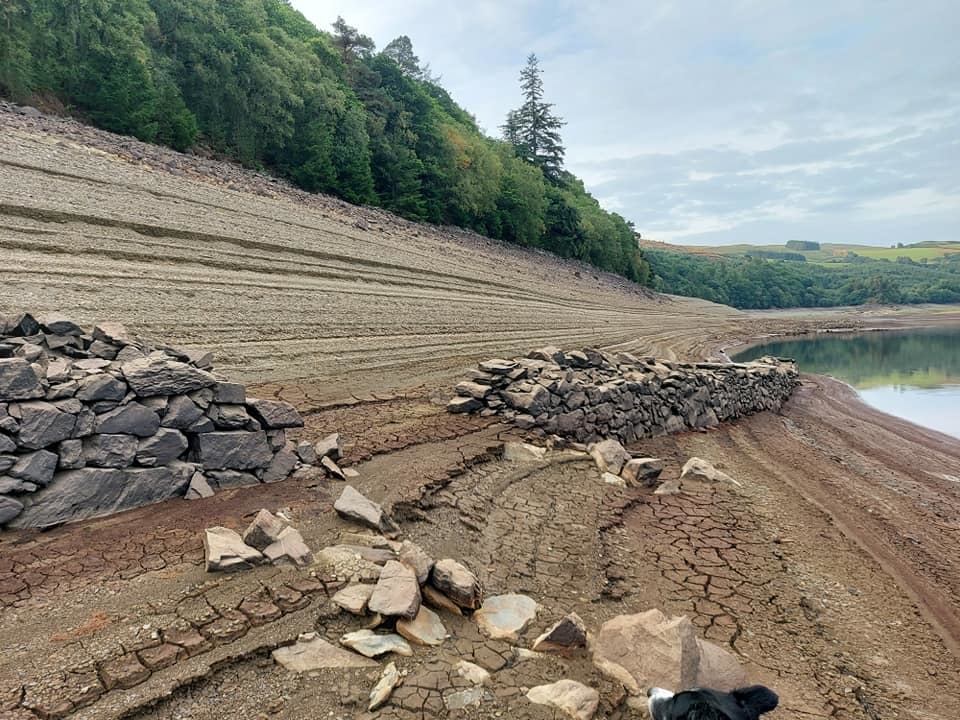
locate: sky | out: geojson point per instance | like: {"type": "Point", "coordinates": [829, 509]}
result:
{"type": "Point", "coordinates": [709, 123]}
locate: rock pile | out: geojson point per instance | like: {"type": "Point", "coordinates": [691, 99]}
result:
{"type": "Point", "coordinates": [96, 422]}
{"type": "Point", "coordinates": [268, 539]}
{"type": "Point", "coordinates": [587, 395]}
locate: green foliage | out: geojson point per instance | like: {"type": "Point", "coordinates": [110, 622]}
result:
{"type": "Point", "coordinates": [533, 129]}
{"type": "Point", "coordinates": [749, 282]}
{"type": "Point", "coordinates": [802, 245]}
{"type": "Point", "coordinates": [254, 80]}
{"type": "Point", "coordinates": [777, 255]}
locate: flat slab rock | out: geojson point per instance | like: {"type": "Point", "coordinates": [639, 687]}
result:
{"type": "Point", "coordinates": [504, 617]}
{"type": "Point", "coordinates": [384, 688]}
{"type": "Point", "coordinates": [353, 505]}
{"type": "Point", "coordinates": [397, 592]}
{"type": "Point", "coordinates": [372, 644]}
{"type": "Point", "coordinates": [312, 652]}
{"type": "Point", "coordinates": [225, 550]}
{"type": "Point", "coordinates": [425, 629]}
{"type": "Point", "coordinates": [575, 699]}
{"type": "Point", "coordinates": [354, 598]}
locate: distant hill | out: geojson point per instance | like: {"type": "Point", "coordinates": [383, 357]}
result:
{"type": "Point", "coordinates": [778, 276]}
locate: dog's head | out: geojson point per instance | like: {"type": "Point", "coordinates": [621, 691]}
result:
{"type": "Point", "coordinates": [747, 703]}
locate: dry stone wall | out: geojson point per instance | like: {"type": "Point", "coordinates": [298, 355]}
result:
{"type": "Point", "coordinates": [93, 423]}
{"type": "Point", "coordinates": [588, 395]}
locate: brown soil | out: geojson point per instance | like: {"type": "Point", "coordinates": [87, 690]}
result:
{"type": "Point", "coordinates": [833, 572]}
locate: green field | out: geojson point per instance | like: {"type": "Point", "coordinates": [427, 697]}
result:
{"type": "Point", "coordinates": [828, 252]}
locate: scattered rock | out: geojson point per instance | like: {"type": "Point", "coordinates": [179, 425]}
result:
{"type": "Point", "coordinates": [371, 644]}
{"type": "Point", "coordinates": [699, 469]}
{"type": "Point", "coordinates": [609, 455]}
{"type": "Point", "coordinates": [352, 505]}
{"type": "Point", "coordinates": [332, 468]}
{"type": "Point", "coordinates": [283, 463]}
{"type": "Point", "coordinates": [504, 617]}
{"type": "Point", "coordinates": [306, 453]}
{"type": "Point", "coordinates": [670, 487]}
{"type": "Point", "coordinates": [312, 652]}
{"type": "Point", "coordinates": [574, 698]}
{"type": "Point", "coordinates": [397, 592]}
{"type": "Point", "coordinates": [225, 550]}
{"type": "Point", "coordinates": [264, 530]}
{"type": "Point", "coordinates": [354, 598]}
{"type": "Point", "coordinates": [611, 479]}
{"type": "Point", "coordinates": [642, 471]}
{"type": "Point", "coordinates": [472, 697]}
{"type": "Point", "coordinates": [425, 629]}
{"type": "Point", "coordinates": [472, 673]}
{"type": "Point", "coordinates": [384, 688]}
{"type": "Point", "coordinates": [289, 547]}
{"type": "Point", "coordinates": [464, 405]}
{"type": "Point", "coordinates": [457, 582]}
{"type": "Point", "coordinates": [522, 452]}
{"type": "Point", "coordinates": [568, 634]}
{"type": "Point", "coordinates": [331, 446]}
{"type": "Point", "coordinates": [414, 557]}
{"type": "Point", "coordinates": [436, 599]}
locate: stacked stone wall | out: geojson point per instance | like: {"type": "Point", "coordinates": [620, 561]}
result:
{"type": "Point", "coordinates": [93, 423]}
{"type": "Point", "coordinates": [588, 395]}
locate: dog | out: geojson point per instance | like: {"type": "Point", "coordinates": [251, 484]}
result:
{"type": "Point", "coordinates": [747, 703]}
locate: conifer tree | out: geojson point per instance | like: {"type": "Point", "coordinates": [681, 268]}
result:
{"type": "Point", "coordinates": [533, 129]}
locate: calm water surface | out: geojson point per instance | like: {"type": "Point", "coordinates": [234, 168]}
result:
{"type": "Point", "coordinates": [914, 374]}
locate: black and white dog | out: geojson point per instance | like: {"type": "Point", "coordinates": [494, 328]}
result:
{"type": "Point", "coordinates": [747, 703]}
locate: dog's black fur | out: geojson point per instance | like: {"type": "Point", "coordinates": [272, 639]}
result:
{"type": "Point", "coordinates": [747, 703]}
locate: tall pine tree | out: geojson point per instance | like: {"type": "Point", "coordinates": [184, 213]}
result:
{"type": "Point", "coordinates": [533, 129]}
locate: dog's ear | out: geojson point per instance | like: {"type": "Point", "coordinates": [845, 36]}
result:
{"type": "Point", "coordinates": [756, 699]}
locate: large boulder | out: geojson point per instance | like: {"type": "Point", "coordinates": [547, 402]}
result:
{"type": "Point", "coordinates": [354, 506]}
{"type": "Point", "coordinates": [130, 419]}
{"type": "Point", "coordinates": [36, 467]}
{"type": "Point", "coordinates": [42, 424]}
{"type": "Point", "coordinates": [18, 381]}
{"type": "Point", "coordinates": [234, 450]}
{"type": "Point", "coordinates": [163, 447]}
{"type": "Point", "coordinates": [151, 376]}
{"type": "Point", "coordinates": [648, 649]}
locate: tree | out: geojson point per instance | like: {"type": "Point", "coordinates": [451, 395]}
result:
{"type": "Point", "coordinates": [400, 50]}
{"type": "Point", "coordinates": [533, 129]}
{"type": "Point", "coordinates": [352, 44]}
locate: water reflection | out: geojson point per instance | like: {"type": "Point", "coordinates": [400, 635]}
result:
{"type": "Point", "coordinates": [914, 374]}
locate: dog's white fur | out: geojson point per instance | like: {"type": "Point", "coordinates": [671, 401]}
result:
{"type": "Point", "coordinates": [656, 694]}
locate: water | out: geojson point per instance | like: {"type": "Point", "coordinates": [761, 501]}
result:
{"type": "Point", "coordinates": [913, 374]}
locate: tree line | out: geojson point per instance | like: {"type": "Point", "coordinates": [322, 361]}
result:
{"type": "Point", "coordinates": [256, 81]}
{"type": "Point", "coordinates": [759, 283]}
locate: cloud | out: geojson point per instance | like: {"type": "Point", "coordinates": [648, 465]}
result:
{"type": "Point", "coordinates": [720, 122]}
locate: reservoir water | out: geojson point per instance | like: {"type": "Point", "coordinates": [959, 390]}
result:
{"type": "Point", "coordinates": [913, 374]}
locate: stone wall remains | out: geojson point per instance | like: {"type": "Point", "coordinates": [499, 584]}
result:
{"type": "Point", "coordinates": [589, 395]}
{"type": "Point", "coordinates": [93, 423]}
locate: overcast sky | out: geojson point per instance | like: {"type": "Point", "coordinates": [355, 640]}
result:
{"type": "Point", "coordinates": [711, 122]}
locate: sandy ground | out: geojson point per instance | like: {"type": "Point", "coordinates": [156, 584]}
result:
{"type": "Point", "coordinates": [833, 573]}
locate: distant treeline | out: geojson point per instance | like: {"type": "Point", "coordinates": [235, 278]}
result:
{"type": "Point", "coordinates": [751, 282]}
{"type": "Point", "coordinates": [256, 81]}
{"type": "Point", "coordinates": [777, 255]}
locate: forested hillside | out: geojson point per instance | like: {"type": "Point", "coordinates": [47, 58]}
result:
{"type": "Point", "coordinates": [254, 80]}
{"type": "Point", "coordinates": [755, 282]}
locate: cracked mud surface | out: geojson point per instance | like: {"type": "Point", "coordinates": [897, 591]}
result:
{"type": "Point", "coordinates": [833, 573]}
